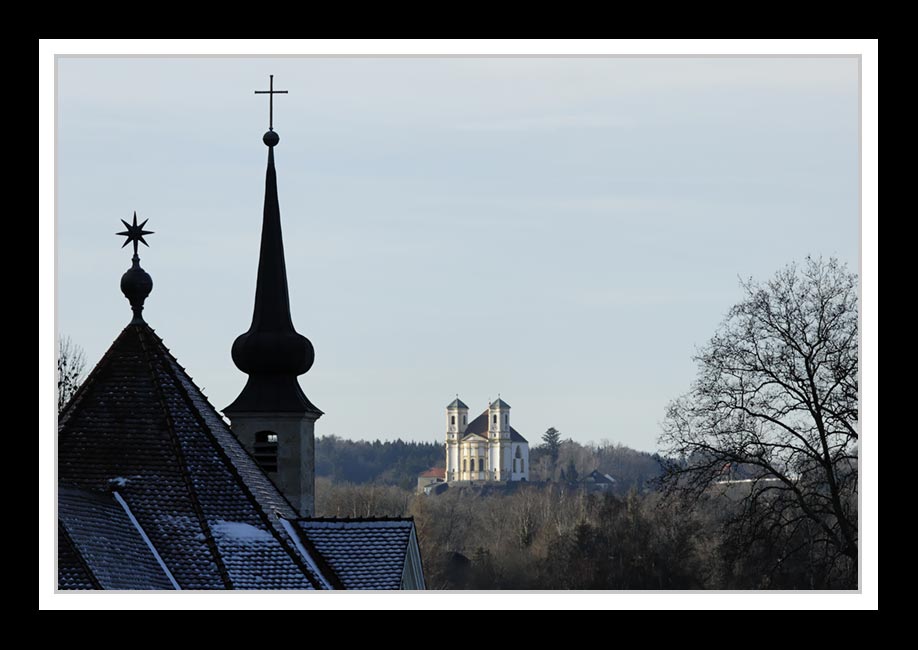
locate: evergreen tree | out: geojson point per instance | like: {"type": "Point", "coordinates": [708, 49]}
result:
{"type": "Point", "coordinates": [551, 439]}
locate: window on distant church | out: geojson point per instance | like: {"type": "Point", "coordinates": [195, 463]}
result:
{"type": "Point", "coordinates": [522, 465]}
{"type": "Point", "coordinates": [514, 464]}
{"type": "Point", "coordinates": [464, 467]}
{"type": "Point", "coordinates": [506, 417]}
{"type": "Point", "coordinates": [265, 450]}
{"type": "Point", "coordinates": [452, 419]}
{"type": "Point", "coordinates": [494, 419]}
{"type": "Point", "coordinates": [464, 419]}
{"type": "Point", "coordinates": [481, 464]}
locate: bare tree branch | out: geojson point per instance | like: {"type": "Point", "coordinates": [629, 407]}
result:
{"type": "Point", "coordinates": [71, 363]}
{"type": "Point", "coordinates": [772, 418]}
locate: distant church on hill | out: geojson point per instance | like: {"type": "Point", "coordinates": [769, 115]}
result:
{"type": "Point", "coordinates": [485, 449]}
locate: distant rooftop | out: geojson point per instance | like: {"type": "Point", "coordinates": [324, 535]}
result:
{"type": "Point", "coordinates": [434, 472]}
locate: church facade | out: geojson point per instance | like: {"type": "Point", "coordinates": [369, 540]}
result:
{"type": "Point", "coordinates": [486, 448]}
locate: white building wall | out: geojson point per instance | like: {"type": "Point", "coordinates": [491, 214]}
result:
{"type": "Point", "coordinates": [494, 453]}
{"type": "Point", "coordinates": [519, 465]}
{"type": "Point", "coordinates": [456, 423]}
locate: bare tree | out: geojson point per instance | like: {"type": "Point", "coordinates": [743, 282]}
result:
{"type": "Point", "coordinates": [70, 366]}
{"type": "Point", "coordinates": [771, 422]}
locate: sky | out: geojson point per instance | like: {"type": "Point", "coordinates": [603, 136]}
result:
{"type": "Point", "coordinates": [563, 232]}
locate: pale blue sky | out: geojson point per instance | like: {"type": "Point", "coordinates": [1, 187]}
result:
{"type": "Point", "coordinates": [563, 231]}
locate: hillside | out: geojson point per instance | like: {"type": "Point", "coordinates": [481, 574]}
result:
{"type": "Point", "coordinates": [396, 462]}
{"type": "Point", "coordinates": [393, 462]}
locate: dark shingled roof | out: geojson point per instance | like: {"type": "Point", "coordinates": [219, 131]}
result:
{"type": "Point", "coordinates": [598, 477]}
{"type": "Point", "coordinates": [364, 553]}
{"type": "Point", "coordinates": [101, 547]}
{"type": "Point", "coordinates": [139, 422]}
{"type": "Point", "coordinates": [457, 404]}
{"type": "Point", "coordinates": [499, 403]}
{"type": "Point", "coordinates": [72, 572]}
{"type": "Point", "coordinates": [479, 427]}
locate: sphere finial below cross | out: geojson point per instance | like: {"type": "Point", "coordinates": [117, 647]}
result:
{"type": "Point", "coordinates": [271, 138]}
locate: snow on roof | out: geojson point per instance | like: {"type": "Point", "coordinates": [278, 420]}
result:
{"type": "Point", "coordinates": [364, 553]}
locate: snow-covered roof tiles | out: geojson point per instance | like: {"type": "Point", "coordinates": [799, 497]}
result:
{"type": "Point", "coordinates": [140, 424]}
{"type": "Point", "coordinates": [363, 553]}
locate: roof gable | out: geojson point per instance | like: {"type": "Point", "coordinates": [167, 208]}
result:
{"type": "Point", "coordinates": [208, 509]}
{"type": "Point", "coordinates": [363, 553]}
{"type": "Point", "coordinates": [479, 426]}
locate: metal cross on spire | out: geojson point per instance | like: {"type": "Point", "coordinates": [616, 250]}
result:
{"type": "Point", "coordinates": [134, 233]}
{"type": "Point", "coordinates": [270, 93]}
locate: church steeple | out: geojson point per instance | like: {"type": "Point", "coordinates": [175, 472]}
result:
{"type": "Point", "coordinates": [272, 416]}
{"type": "Point", "coordinates": [272, 352]}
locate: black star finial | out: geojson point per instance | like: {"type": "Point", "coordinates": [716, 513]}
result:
{"type": "Point", "coordinates": [134, 233]}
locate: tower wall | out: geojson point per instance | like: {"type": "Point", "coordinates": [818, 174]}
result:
{"type": "Point", "coordinates": [296, 453]}
{"type": "Point", "coordinates": [456, 424]}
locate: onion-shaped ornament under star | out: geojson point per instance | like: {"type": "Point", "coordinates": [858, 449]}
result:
{"type": "Point", "coordinates": [135, 233]}
{"type": "Point", "coordinates": [136, 284]}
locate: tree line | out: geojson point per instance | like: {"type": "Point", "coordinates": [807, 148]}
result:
{"type": "Point", "coordinates": [755, 485]}
{"type": "Point", "coordinates": [758, 480]}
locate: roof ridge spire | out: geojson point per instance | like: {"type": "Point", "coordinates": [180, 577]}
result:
{"type": "Point", "coordinates": [136, 284]}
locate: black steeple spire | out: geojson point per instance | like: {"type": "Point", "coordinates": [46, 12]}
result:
{"type": "Point", "coordinates": [272, 353]}
{"type": "Point", "coordinates": [136, 284]}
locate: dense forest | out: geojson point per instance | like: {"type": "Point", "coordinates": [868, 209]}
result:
{"type": "Point", "coordinates": [551, 533]}
{"type": "Point", "coordinates": [393, 462]}
{"type": "Point", "coordinates": [553, 536]}
{"type": "Point", "coordinates": [398, 463]}
{"type": "Point", "coordinates": [756, 487]}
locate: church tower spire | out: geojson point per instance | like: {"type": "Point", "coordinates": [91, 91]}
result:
{"type": "Point", "coordinates": [272, 416]}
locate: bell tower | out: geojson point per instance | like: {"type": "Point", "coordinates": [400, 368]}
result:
{"type": "Point", "coordinates": [457, 419]}
{"type": "Point", "coordinates": [499, 440]}
{"type": "Point", "coordinates": [272, 417]}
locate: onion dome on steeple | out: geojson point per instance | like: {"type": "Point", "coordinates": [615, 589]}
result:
{"type": "Point", "coordinates": [272, 352]}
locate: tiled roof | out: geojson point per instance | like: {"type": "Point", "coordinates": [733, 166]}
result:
{"type": "Point", "coordinates": [499, 404]}
{"type": "Point", "coordinates": [479, 427]}
{"type": "Point", "coordinates": [212, 514]}
{"type": "Point", "coordinates": [101, 548]}
{"type": "Point", "coordinates": [457, 404]}
{"type": "Point", "coordinates": [515, 436]}
{"type": "Point", "coordinates": [72, 572]}
{"type": "Point", "coordinates": [434, 472]}
{"type": "Point", "coordinates": [363, 553]}
{"type": "Point", "coordinates": [598, 477]}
